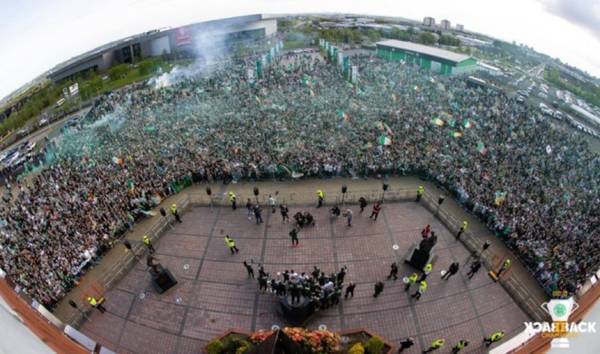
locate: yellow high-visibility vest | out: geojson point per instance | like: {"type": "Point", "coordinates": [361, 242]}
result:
{"type": "Point", "coordinates": [413, 277]}
{"type": "Point", "coordinates": [92, 301]}
{"type": "Point", "coordinates": [497, 336]}
{"type": "Point", "coordinates": [428, 268]}
{"type": "Point", "coordinates": [146, 240]}
{"type": "Point", "coordinates": [423, 286]}
{"type": "Point", "coordinates": [420, 190]}
{"type": "Point", "coordinates": [438, 343]}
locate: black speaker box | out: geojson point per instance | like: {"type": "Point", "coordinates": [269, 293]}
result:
{"type": "Point", "coordinates": [163, 281]}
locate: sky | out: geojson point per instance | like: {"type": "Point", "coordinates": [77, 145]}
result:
{"type": "Point", "coordinates": [36, 35]}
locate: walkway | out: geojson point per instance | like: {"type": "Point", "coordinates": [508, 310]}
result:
{"type": "Point", "coordinates": [214, 293]}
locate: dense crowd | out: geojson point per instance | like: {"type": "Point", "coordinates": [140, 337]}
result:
{"type": "Point", "coordinates": [535, 185]}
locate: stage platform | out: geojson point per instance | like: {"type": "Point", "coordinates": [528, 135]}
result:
{"type": "Point", "coordinates": [213, 293]}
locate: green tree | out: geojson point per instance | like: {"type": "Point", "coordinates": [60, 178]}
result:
{"type": "Point", "coordinates": [427, 38]}
{"type": "Point", "coordinates": [449, 40]}
{"type": "Point", "coordinates": [118, 71]}
{"type": "Point", "coordinates": [373, 35]}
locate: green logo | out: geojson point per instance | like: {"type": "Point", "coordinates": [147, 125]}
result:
{"type": "Point", "coordinates": [560, 310]}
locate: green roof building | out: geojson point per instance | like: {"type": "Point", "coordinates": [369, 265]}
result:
{"type": "Point", "coordinates": [432, 58]}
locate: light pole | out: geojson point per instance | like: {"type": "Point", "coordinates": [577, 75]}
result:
{"type": "Point", "coordinates": [209, 194]}
{"type": "Point", "coordinates": [256, 193]}
{"type": "Point", "coordinates": [385, 187]}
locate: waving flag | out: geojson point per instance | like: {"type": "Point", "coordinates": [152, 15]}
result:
{"type": "Point", "coordinates": [384, 140]}
{"type": "Point", "coordinates": [438, 122]}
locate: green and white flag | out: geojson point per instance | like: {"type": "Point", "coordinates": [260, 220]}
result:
{"type": "Point", "coordinates": [385, 140]}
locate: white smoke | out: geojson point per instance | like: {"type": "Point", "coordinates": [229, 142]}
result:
{"type": "Point", "coordinates": [210, 51]}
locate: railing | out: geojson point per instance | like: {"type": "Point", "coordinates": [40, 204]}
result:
{"type": "Point", "coordinates": [118, 270]}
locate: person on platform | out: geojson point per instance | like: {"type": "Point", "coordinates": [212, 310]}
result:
{"type": "Point", "coordinates": [376, 210]}
{"type": "Point", "coordinates": [507, 263]}
{"type": "Point", "coordinates": [493, 338]}
{"type": "Point", "coordinates": [175, 212]}
{"type": "Point", "coordinates": [249, 269]}
{"type": "Point", "coordinates": [148, 244]}
{"type": "Point", "coordinates": [462, 344]}
{"type": "Point", "coordinates": [406, 343]}
{"type": "Point", "coordinates": [462, 229]}
{"type": "Point", "coordinates": [420, 191]}
{"type": "Point", "coordinates": [426, 271]}
{"type": "Point", "coordinates": [362, 202]}
{"type": "Point", "coordinates": [249, 209]}
{"type": "Point", "coordinates": [271, 202]}
{"type": "Point", "coordinates": [263, 282]}
{"type": "Point", "coordinates": [378, 288]}
{"type": "Point", "coordinates": [233, 200]}
{"type": "Point", "coordinates": [453, 269]}
{"type": "Point", "coordinates": [348, 214]}
{"type": "Point", "coordinates": [350, 290]}
{"type": "Point", "coordinates": [320, 198]}
{"type": "Point", "coordinates": [435, 345]}
{"type": "Point", "coordinates": [421, 290]}
{"type": "Point", "coordinates": [426, 231]}
{"type": "Point", "coordinates": [283, 209]}
{"type": "Point", "coordinates": [258, 214]}
{"type": "Point", "coordinates": [335, 211]}
{"type": "Point", "coordinates": [294, 236]}
{"type": "Point", "coordinates": [474, 268]}
{"type": "Point", "coordinates": [95, 303]}
{"type": "Point", "coordinates": [231, 244]}
{"type": "Point", "coordinates": [393, 271]}
{"type": "Point", "coordinates": [411, 279]}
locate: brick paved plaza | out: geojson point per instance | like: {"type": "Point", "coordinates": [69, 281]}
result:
{"type": "Point", "coordinates": [214, 293]}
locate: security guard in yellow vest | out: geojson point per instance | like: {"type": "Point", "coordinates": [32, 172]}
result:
{"type": "Point", "coordinates": [459, 346]}
{"type": "Point", "coordinates": [420, 191]}
{"type": "Point", "coordinates": [96, 304]}
{"type": "Point", "coordinates": [436, 344]}
{"type": "Point", "coordinates": [426, 270]}
{"type": "Point", "coordinates": [320, 198]}
{"type": "Point", "coordinates": [462, 229]}
{"type": "Point", "coordinates": [495, 337]}
{"type": "Point", "coordinates": [148, 243]}
{"type": "Point", "coordinates": [504, 267]}
{"type": "Point", "coordinates": [233, 200]}
{"type": "Point", "coordinates": [175, 212]}
{"type": "Point", "coordinates": [421, 290]}
{"type": "Point", "coordinates": [231, 244]}
{"type": "Point", "coordinates": [411, 280]}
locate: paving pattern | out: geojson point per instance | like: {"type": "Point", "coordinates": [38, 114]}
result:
{"type": "Point", "coordinates": [214, 293]}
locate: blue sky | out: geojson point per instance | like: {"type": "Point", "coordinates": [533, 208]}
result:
{"type": "Point", "coordinates": [35, 35]}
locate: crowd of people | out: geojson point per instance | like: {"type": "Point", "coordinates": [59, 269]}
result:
{"type": "Point", "coordinates": [314, 289]}
{"type": "Point", "coordinates": [534, 184]}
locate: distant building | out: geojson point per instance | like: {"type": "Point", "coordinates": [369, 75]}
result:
{"type": "Point", "coordinates": [429, 21]}
{"type": "Point", "coordinates": [432, 58]}
{"type": "Point", "coordinates": [445, 25]}
{"type": "Point", "coordinates": [222, 33]}
{"type": "Point", "coordinates": [460, 27]}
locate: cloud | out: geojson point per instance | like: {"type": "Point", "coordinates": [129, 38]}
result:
{"type": "Point", "coordinates": [583, 13]}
